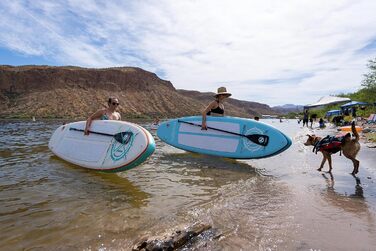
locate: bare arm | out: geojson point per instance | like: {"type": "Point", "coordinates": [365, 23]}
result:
{"type": "Point", "coordinates": [204, 112]}
{"type": "Point", "coordinates": [94, 116]}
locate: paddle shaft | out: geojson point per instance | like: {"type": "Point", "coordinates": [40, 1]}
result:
{"type": "Point", "coordinates": [99, 133]}
{"type": "Point", "coordinates": [216, 129]}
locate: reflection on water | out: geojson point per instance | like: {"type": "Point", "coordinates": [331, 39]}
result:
{"type": "Point", "coordinates": [358, 193]}
{"type": "Point", "coordinates": [352, 201]}
{"type": "Point", "coordinates": [275, 203]}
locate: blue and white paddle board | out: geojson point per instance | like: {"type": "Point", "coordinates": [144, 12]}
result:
{"type": "Point", "coordinates": [99, 150]}
{"type": "Point", "coordinates": [222, 139]}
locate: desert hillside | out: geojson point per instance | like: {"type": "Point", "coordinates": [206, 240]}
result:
{"type": "Point", "coordinates": [74, 92]}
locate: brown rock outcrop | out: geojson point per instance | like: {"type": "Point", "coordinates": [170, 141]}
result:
{"type": "Point", "coordinates": [74, 92]}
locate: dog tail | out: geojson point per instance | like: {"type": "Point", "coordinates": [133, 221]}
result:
{"type": "Point", "coordinates": [356, 134]}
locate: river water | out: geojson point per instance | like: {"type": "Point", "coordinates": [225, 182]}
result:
{"type": "Point", "coordinates": [278, 203]}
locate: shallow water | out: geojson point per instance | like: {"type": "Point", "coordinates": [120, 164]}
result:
{"type": "Point", "coordinates": [277, 203]}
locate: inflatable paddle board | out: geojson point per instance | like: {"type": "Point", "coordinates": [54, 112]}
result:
{"type": "Point", "coordinates": [111, 146]}
{"type": "Point", "coordinates": [229, 137]}
{"type": "Point", "coordinates": [348, 129]}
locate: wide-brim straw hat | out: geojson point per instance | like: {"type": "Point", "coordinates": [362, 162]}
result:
{"type": "Point", "coordinates": [222, 91]}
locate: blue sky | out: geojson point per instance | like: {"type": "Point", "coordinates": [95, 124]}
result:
{"type": "Point", "coordinates": [273, 52]}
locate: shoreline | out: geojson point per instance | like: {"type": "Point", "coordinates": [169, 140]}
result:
{"type": "Point", "coordinates": [368, 138]}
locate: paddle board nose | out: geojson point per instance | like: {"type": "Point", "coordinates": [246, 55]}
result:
{"type": "Point", "coordinates": [164, 130]}
{"type": "Point", "coordinates": [286, 142]}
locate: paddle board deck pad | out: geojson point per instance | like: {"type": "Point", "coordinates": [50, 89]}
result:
{"type": "Point", "coordinates": [230, 137]}
{"type": "Point", "coordinates": [100, 150]}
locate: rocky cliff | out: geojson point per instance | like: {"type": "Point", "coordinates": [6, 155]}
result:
{"type": "Point", "coordinates": [74, 92]}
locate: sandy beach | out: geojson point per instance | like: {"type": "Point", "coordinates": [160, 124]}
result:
{"type": "Point", "coordinates": [278, 203]}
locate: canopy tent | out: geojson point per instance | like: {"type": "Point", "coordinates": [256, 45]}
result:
{"type": "Point", "coordinates": [353, 103]}
{"type": "Point", "coordinates": [333, 113]}
{"type": "Point", "coordinates": [327, 100]}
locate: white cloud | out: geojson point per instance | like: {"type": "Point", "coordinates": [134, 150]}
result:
{"type": "Point", "coordinates": [273, 52]}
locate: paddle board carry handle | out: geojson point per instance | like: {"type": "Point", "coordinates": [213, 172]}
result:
{"type": "Point", "coordinates": [258, 139]}
{"type": "Point", "coordinates": [121, 137]}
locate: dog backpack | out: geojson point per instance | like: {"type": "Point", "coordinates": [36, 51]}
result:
{"type": "Point", "coordinates": [331, 144]}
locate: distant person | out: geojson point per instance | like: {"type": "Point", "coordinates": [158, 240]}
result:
{"type": "Point", "coordinates": [338, 120]}
{"type": "Point", "coordinates": [314, 117]}
{"type": "Point", "coordinates": [310, 121]}
{"type": "Point", "coordinates": [322, 123]}
{"type": "Point", "coordinates": [216, 107]}
{"type": "Point", "coordinates": [280, 120]}
{"type": "Point", "coordinates": [108, 113]}
{"type": "Point", "coordinates": [257, 118]}
{"type": "Point", "coordinates": [305, 117]}
{"type": "Point", "coordinates": [156, 121]}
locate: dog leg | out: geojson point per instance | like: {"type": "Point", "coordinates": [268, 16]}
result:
{"type": "Point", "coordinates": [356, 166]}
{"type": "Point", "coordinates": [322, 162]}
{"type": "Point", "coordinates": [354, 161]}
{"type": "Point", "coordinates": [330, 162]}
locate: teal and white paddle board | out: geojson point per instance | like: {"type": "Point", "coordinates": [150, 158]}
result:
{"type": "Point", "coordinates": [230, 137]}
{"type": "Point", "coordinates": [111, 146]}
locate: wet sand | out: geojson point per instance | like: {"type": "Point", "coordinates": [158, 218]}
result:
{"type": "Point", "coordinates": [279, 203]}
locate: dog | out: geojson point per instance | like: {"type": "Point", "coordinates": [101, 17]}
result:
{"type": "Point", "coordinates": [349, 147]}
